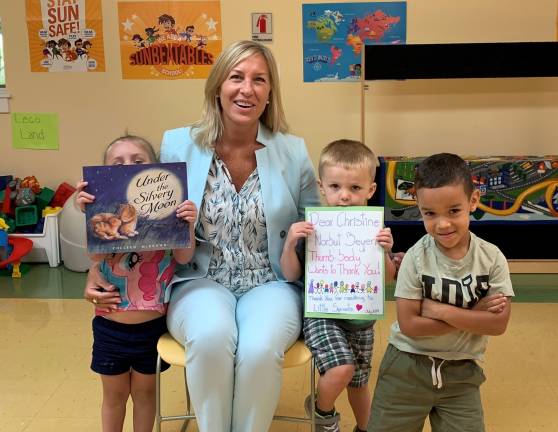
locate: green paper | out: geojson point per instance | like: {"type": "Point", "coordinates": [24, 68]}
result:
{"type": "Point", "coordinates": [36, 131]}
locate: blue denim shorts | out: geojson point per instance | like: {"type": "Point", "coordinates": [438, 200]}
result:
{"type": "Point", "coordinates": [118, 348]}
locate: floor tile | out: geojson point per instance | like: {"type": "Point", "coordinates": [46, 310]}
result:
{"type": "Point", "coordinates": [65, 425]}
{"type": "Point", "coordinates": [15, 424]}
{"type": "Point", "coordinates": [24, 397]}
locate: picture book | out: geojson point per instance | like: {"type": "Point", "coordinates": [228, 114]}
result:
{"type": "Point", "coordinates": [135, 207]}
{"type": "Point", "coordinates": [344, 274]}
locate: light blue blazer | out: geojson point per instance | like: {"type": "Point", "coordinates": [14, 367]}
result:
{"type": "Point", "coordinates": [287, 179]}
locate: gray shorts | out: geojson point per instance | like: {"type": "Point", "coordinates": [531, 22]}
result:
{"type": "Point", "coordinates": [405, 394]}
{"type": "Point", "coordinates": [331, 345]}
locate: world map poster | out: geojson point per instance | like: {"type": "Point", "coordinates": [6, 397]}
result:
{"type": "Point", "coordinates": [334, 33]}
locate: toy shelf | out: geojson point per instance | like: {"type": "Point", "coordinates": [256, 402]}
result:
{"type": "Point", "coordinates": [46, 245]}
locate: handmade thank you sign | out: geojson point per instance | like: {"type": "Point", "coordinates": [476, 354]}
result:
{"type": "Point", "coordinates": [135, 207]}
{"type": "Point", "coordinates": [344, 264]}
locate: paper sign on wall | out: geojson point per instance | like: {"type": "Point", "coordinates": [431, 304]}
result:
{"type": "Point", "coordinates": [344, 264]}
{"type": "Point", "coordinates": [262, 27]}
{"type": "Point", "coordinates": [37, 131]}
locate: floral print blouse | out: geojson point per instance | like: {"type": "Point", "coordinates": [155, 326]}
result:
{"type": "Point", "coordinates": [234, 224]}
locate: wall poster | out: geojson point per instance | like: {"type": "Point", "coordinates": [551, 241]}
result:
{"type": "Point", "coordinates": [170, 39]}
{"type": "Point", "coordinates": [333, 35]}
{"type": "Point", "coordinates": [65, 35]}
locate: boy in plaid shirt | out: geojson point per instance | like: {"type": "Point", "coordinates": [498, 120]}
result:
{"type": "Point", "coordinates": [342, 348]}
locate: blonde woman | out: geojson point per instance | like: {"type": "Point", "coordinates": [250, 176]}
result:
{"type": "Point", "coordinates": [250, 179]}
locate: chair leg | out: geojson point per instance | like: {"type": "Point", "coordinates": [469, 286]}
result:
{"type": "Point", "coordinates": [188, 412]}
{"type": "Point", "coordinates": [158, 394]}
{"type": "Point", "coordinates": [313, 394]}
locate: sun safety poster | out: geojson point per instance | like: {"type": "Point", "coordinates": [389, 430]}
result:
{"type": "Point", "coordinates": [65, 35]}
{"type": "Point", "coordinates": [169, 40]}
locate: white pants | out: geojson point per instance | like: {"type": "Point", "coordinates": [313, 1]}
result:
{"type": "Point", "coordinates": [234, 350]}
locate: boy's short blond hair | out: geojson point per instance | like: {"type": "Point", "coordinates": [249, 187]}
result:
{"type": "Point", "coordinates": [349, 154]}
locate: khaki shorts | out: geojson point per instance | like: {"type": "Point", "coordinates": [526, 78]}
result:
{"type": "Point", "coordinates": [407, 392]}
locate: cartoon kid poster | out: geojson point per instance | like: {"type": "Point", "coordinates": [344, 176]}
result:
{"type": "Point", "coordinates": [334, 33]}
{"type": "Point", "coordinates": [169, 39]}
{"type": "Point", "coordinates": [65, 35]}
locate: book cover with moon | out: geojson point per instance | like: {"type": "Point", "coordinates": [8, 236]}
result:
{"type": "Point", "coordinates": [135, 207]}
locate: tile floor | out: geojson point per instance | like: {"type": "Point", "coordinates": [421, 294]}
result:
{"type": "Point", "coordinates": [45, 343]}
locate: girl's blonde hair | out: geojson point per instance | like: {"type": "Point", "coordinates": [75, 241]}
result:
{"type": "Point", "coordinates": [143, 143]}
{"type": "Point", "coordinates": [209, 128]}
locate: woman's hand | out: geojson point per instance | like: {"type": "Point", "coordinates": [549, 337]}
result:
{"type": "Point", "coordinates": [83, 197]}
{"type": "Point", "coordinates": [396, 259]}
{"type": "Point", "coordinates": [101, 293]}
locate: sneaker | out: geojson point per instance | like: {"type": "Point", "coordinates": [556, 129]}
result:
{"type": "Point", "coordinates": [328, 423]}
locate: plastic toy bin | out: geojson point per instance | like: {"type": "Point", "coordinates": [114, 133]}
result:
{"type": "Point", "coordinates": [73, 242]}
{"type": "Point", "coordinates": [46, 245]}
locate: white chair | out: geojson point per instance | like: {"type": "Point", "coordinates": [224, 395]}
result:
{"type": "Point", "coordinates": [45, 244]}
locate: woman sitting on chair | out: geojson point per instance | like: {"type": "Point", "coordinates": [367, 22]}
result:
{"type": "Point", "coordinates": [233, 309]}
